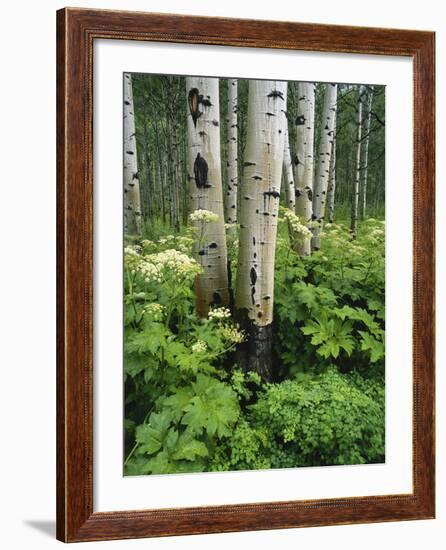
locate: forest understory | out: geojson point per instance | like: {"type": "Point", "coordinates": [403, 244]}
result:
{"type": "Point", "coordinates": [254, 320]}
{"type": "Point", "coordinates": [190, 408]}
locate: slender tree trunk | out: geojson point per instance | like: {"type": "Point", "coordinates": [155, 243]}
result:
{"type": "Point", "coordinates": [155, 180]}
{"type": "Point", "coordinates": [177, 182]}
{"type": "Point", "coordinates": [355, 192]}
{"type": "Point", "coordinates": [165, 187]}
{"type": "Point", "coordinates": [288, 177]}
{"type": "Point", "coordinates": [170, 171]}
{"type": "Point", "coordinates": [304, 156]}
{"type": "Point", "coordinates": [232, 174]}
{"type": "Point", "coordinates": [148, 171]}
{"type": "Point", "coordinates": [160, 168]}
{"type": "Point", "coordinates": [332, 181]}
{"type": "Point", "coordinates": [174, 182]}
{"type": "Point", "coordinates": [259, 207]}
{"type": "Point", "coordinates": [132, 200]}
{"type": "Point", "coordinates": [204, 174]}
{"type": "Point", "coordinates": [323, 162]}
{"type": "Point", "coordinates": [185, 183]}
{"type": "Point", "coordinates": [365, 168]}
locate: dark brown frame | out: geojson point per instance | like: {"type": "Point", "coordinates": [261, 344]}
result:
{"type": "Point", "coordinates": [76, 31]}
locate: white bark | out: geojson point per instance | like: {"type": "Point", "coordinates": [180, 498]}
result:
{"type": "Point", "coordinates": [232, 185]}
{"type": "Point", "coordinates": [288, 177]}
{"type": "Point", "coordinates": [304, 156]}
{"type": "Point", "coordinates": [259, 200]}
{"type": "Point", "coordinates": [132, 200]}
{"type": "Point", "coordinates": [211, 287]}
{"type": "Point", "coordinates": [332, 181]}
{"type": "Point", "coordinates": [355, 192]}
{"type": "Point", "coordinates": [365, 169]}
{"type": "Point", "coordinates": [323, 162]}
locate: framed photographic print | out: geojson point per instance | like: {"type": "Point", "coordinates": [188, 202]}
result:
{"type": "Point", "coordinates": [245, 275]}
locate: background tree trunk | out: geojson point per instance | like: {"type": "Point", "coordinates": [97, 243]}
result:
{"type": "Point", "coordinates": [332, 181]}
{"type": "Point", "coordinates": [304, 156]}
{"type": "Point", "coordinates": [259, 204]}
{"type": "Point", "coordinates": [365, 168]}
{"type": "Point", "coordinates": [211, 286]}
{"type": "Point", "coordinates": [355, 192]}
{"type": "Point", "coordinates": [232, 185]}
{"type": "Point", "coordinates": [323, 162]}
{"type": "Point", "coordinates": [132, 200]}
{"type": "Point", "coordinates": [288, 177]}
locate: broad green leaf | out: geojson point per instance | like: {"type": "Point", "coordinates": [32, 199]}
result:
{"type": "Point", "coordinates": [369, 343]}
{"type": "Point", "coordinates": [151, 436]}
{"type": "Point", "coordinates": [178, 401]}
{"type": "Point", "coordinates": [214, 409]}
{"type": "Point", "coordinates": [188, 448]}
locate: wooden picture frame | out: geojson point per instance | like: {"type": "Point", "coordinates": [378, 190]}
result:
{"type": "Point", "coordinates": [76, 31]}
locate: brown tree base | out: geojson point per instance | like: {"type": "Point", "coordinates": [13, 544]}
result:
{"type": "Point", "coordinates": [255, 354]}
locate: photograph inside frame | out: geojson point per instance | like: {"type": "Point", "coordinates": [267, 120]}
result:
{"type": "Point", "coordinates": [254, 274]}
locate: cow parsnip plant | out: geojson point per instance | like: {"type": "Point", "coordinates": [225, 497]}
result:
{"type": "Point", "coordinates": [190, 408]}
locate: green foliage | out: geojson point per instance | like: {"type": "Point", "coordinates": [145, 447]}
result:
{"type": "Point", "coordinates": [309, 421]}
{"type": "Point", "coordinates": [332, 302]}
{"type": "Point", "coordinates": [330, 336]}
{"type": "Point", "coordinates": [179, 400]}
{"type": "Point", "coordinates": [190, 408]}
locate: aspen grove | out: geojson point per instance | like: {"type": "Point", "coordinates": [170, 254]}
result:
{"type": "Point", "coordinates": [254, 273]}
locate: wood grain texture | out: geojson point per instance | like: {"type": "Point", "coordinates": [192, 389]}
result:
{"type": "Point", "coordinates": [76, 31]}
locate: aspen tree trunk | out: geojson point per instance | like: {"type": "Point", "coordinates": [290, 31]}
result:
{"type": "Point", "coordinates": [160, 168]}
{"type": "Point", "coordinates": [170, 174]}
{"type": "Point", "coordinates": [288, 177]}
{"type": "Point", "coordinates": [259, 205]}
{"type": "Point", "coordinates": [148, 170]}
{"type": "Point", "coordinates": [177, 180]}
{"type": "Point", "coordinates": [355, 192]}
{"type": "Point", "coordinates": [165, 187]}
{"type": "Point", "coordinates": [332, 181]}
{"type": "Point", "coordinates": [184, 182]}
{"type": "Point", "coordinates": [132, 200]}
{"type": "Point", "coordinates": [323, 162]}
{"type": "Point", "coordinates": [365, 168]}
{"type": "Point", "coordinates": [304, 155]}
{"type": "Point", "coordinates": [174, 181]}
{"type": "Point", "coordinates": [211, 286]}
{"type": "Point", "coordinates": [232, 186]}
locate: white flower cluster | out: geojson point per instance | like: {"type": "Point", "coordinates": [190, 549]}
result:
{"type": "Point", "coordinates": [155, 310]}
{"type": "Point", "coordinates": [180, 242]}
{"type": "Point", "coordinates": [184, 244]}
{"type": "Point", "coordinates": [132, 250]}
{"type": "Point", "coordinates": [233, 334]}
{"type": "Point", "coordinates": [297, 227]}
{"type": "Point", "coordinates": [173, 263]}
{"type": "Point", "coordinates": [199, 346]}
{"type": "Point", "coordinates": [219, 314]}
{"type": "Point", "coordinates": [175, 260]}
{"type": "Point", "coordinates": [150, 272]}
{"type": "Point", "coordinates": [157, 267]}
{"type": "Point", "coordinates": [132, 258]}
{"type": "Point", "coordinates": [203, 216]}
